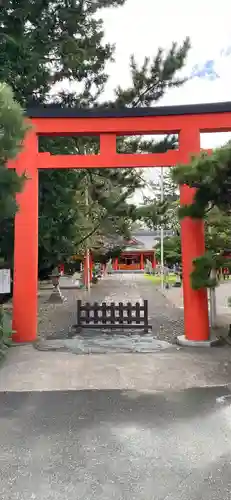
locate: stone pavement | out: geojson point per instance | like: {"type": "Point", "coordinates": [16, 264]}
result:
{"type": "Point", "coordinates": [167, 322]}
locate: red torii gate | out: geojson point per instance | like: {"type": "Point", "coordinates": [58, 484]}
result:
{"type": "Point", "coordinates": [187, 121]}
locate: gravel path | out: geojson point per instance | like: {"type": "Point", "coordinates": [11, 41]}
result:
{"type": "Point", "coordinates": [166, 320]}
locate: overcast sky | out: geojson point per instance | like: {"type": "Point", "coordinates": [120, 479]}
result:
{"type": "Point", "coordinates": [141, 26]}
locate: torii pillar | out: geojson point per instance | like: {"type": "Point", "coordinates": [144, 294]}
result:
{"type": "Point", "coordinates": [26, 245]}
{"type": "Point", "coordinates": [196, 319]}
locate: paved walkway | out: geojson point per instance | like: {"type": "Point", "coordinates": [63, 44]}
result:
{"type": "Point", "coordinates": [122, 426]}
{"type": "Point", "coordinates": [116, 445]}
{"type": "Point", "coordinates": [166, 320]}
{"type": "Point", "coordinates": [27, 369]}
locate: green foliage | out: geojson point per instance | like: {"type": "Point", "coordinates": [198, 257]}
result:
{"type": "Point", "coordinates": [172, 250]}
{"type": "Point", "coordinates": [150, 214]}
{"type": "Point", "coordinates": [5, 332]}
{"type": "Point", "coordinates": [106, 218]}
{"type": "Point", "coordinates": [12, 132]}
{"type": "Point", "coordinates": [154, 77]}
{"type": "Point", "coordinates": [41, 44]}
{"type": "Point", "coordinates": [13, 126]}
{"type": "Point", "coordinates": [10, 184]}
{"type": "Point", "coordinates": [170, 188]}
{"type": "Point", "coordinates": [156, 213]}
{"type": "Point", "coordinates": [201, 274]}
{"type": "Point", "coordinates": [217, 231]}
{"type": "Point", "coordinates": [211, 176]}
{"type": "Point", "coordinates": [105, 254]}
{"type": "Point", "coordinates": [45, 43]}
{"type": "Point", "coordinates": [217, 240]}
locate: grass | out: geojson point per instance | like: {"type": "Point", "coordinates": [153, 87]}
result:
{"type": "Point", "coordinates": [157, 279]}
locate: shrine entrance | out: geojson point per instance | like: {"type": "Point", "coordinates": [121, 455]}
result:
{"type": "Point", "coordinates": [186, 121]}
{"type": "Point", "coordinates": [135, 253]}
{"type": "Point", "coordinates": [133, 262]}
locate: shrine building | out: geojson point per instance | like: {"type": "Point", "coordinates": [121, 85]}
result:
{"type": "Point", "coordinates": [138, 250]}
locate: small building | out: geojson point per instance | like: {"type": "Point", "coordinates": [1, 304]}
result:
{"type": "Point", "coordinates": [138, 250]}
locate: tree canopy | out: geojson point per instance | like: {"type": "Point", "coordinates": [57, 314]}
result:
{"type": "Point", "coordinates": [210, 175]}
{"type": "Point", "coordinates": [172, 250]}
{"type": "Point", "coordinates": [46, 47]}
{"type": "Point", "coordinates": [13, 129]}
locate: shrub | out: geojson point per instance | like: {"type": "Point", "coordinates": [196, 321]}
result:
{"type": "Point", "coordinates": [5, 332]}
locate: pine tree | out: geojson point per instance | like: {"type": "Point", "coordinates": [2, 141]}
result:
{"type": "Point", "coordinates": [45, 42]}
{"type": "Point", "coordinates": [157, 213]}
{"type": "Point", "coordinates": [211, 175]}
{"type": "Point", "coordinates": [13, 130]}
{"type": "Point", "coordinates": [172, 250]}
{"type": "Point", "coordinates": [40, 46]}
{"type": "Point", "coordinates": [152, 80]}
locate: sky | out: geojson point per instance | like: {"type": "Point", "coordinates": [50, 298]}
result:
{"type": "Point", "coordinates": [141, 26]}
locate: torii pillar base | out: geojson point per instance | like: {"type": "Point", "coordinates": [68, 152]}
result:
{"type": "Point", "coordinates": [184, 342]}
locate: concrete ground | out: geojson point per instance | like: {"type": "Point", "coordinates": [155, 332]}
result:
{"type": "Point", "coordinates": [122, 445]}
{"type": "Point", "coordinates": [116, 426]}
{"type": "Point", "coordinates": [27, 369]}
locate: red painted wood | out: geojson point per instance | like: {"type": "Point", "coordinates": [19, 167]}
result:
{"type": "Point", "coordinates": [26, 247]}
{"type": "Point", "coordinates": [26, 222]}
{"type": "Point", "coordinates": [208, 122]}
{"type": "Point", "coordinates": [196, 321]}
{"type": "Point", "coordinates": [112, 160]}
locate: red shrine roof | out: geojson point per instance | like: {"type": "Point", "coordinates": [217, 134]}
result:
{"type": "Point", "coordinates": [144, 240]}
{"type": "Point", "coordinates": [132, 242]}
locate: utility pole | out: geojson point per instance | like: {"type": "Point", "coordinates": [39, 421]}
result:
{"type": "Point", "coordinates": [162, 229]}
{"type": "Point", "coordinates": [88, 284]}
